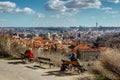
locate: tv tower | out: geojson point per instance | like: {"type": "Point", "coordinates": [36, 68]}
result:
{"type": "Point", "coordinates": [96, 24]}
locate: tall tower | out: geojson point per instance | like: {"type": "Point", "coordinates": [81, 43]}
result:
{"type": "Point", "coordinates": [96, 24]}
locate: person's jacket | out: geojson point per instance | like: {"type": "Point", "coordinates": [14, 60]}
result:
{"type": "Point", "coordinates": [30, 53]}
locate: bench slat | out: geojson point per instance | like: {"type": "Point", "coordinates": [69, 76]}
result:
{"type": "Point", "coordinates": [41, 58]}
{"type": "Point", "coordinates": [45, 61]}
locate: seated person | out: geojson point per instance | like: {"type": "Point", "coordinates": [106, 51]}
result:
{"type": "Point", "coordinates": [73, 57]}
{"type": "Point", "coordinates": [29, 54]}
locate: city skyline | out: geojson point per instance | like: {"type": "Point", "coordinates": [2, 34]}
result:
{"type": "Point", "coordinates": [62, 13]}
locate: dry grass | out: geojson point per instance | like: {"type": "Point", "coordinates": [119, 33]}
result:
{"type": "Point", "coordinates": [16, 48]}
{"type": "Point", "coordinates": [54, 56]}
{"type": "Point", "coordinates": [10, 47]}
{"type": "Point", "coordinates": [109, 64]}
{"type": "Point", "coordinates": [110, 60]}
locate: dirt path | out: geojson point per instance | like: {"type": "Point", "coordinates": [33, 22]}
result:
{"type": "Point", "coordinates": [15, 70]}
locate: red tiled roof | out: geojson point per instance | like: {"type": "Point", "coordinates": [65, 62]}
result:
{"type": "Point", "coordinates": [86, 48]}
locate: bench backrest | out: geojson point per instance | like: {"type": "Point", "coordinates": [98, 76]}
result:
{"type": "Point", "coordinates": [42, 58]}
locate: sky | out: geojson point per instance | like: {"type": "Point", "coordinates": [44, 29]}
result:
{"type": "Point", "coordinates": [59, 13]}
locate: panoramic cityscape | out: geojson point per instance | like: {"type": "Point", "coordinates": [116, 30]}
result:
{"type": "Point", "coordinates": [60, 39]}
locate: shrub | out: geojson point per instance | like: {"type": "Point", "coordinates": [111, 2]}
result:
{"type": "Point", "coordinates": [10, 47]}
{"type": "Point", "coordinates": [98, 70]}
{"type": "Point", "coordinates": [108, 65]}
{"type": "Point", "coordinates": [110, 60]}
{"type": "Point", "coordinates": [113, 41]}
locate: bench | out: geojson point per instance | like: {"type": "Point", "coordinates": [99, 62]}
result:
{"type": "Point", "coordinates": [67, 64]}
{"type": "Point", "coordinates": [43, 60]}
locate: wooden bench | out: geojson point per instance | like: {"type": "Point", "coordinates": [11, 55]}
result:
{"type": "Point", "coordinates": [43, 60]}
{"type": "Point", "coordinates": [67, 64]}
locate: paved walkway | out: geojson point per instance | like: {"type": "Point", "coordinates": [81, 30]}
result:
{"type": "Point", "coordinates": [16, 70]}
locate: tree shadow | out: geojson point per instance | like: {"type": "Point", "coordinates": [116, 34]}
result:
{"type": "Point", "coordinates": [40, 67]}
{"type": "Point", "coordinates": [60, 73]}
{"type": "Point", "coordinates": [16, 62]}
{"type": "Point", "coordinates": [30, 67]}
{"type": "Point", "coordinates": [85, 78]}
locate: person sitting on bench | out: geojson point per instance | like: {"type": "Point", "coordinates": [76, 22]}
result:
{"type": "Point", "coordinates": [29, 54]}
{"type": "Point", "coordinates": [74, 57]}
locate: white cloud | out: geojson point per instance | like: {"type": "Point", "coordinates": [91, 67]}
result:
{"type": "Point", "coordinates": [7, 6]}
{"type": "Point", "coordinates": [81, 4]}
{"type": "Point", "coordinates": [112, 12]}
{"type": "Point", "coordinates": [56, 16]}
{"type": "Point", "coordinates": [71, 7]}
{"type": "Point", "coordinates": [26, 10]}
{"type": "Point", "coordinates": [11, 7]}
{"type": "Point", "coordinates": [59, 5]}
{"type": "Point", "coordinates": [40, 15]}
{"type": "Point", "coordinates": [64, 14]}
{"type": "Point", "coordinates": [109, 10]}
{"type": "Point", "coordinates": [106, 8]}
{"type": "Point", "coordinates": [55, 5]}
{"type": "Point", "coordinates": [66, 7]}
{"type": "Point", "coordinates": [114, 1]}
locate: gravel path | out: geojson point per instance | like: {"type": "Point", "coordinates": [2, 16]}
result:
{"type": "Point", "coordinates": [16, 70]}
